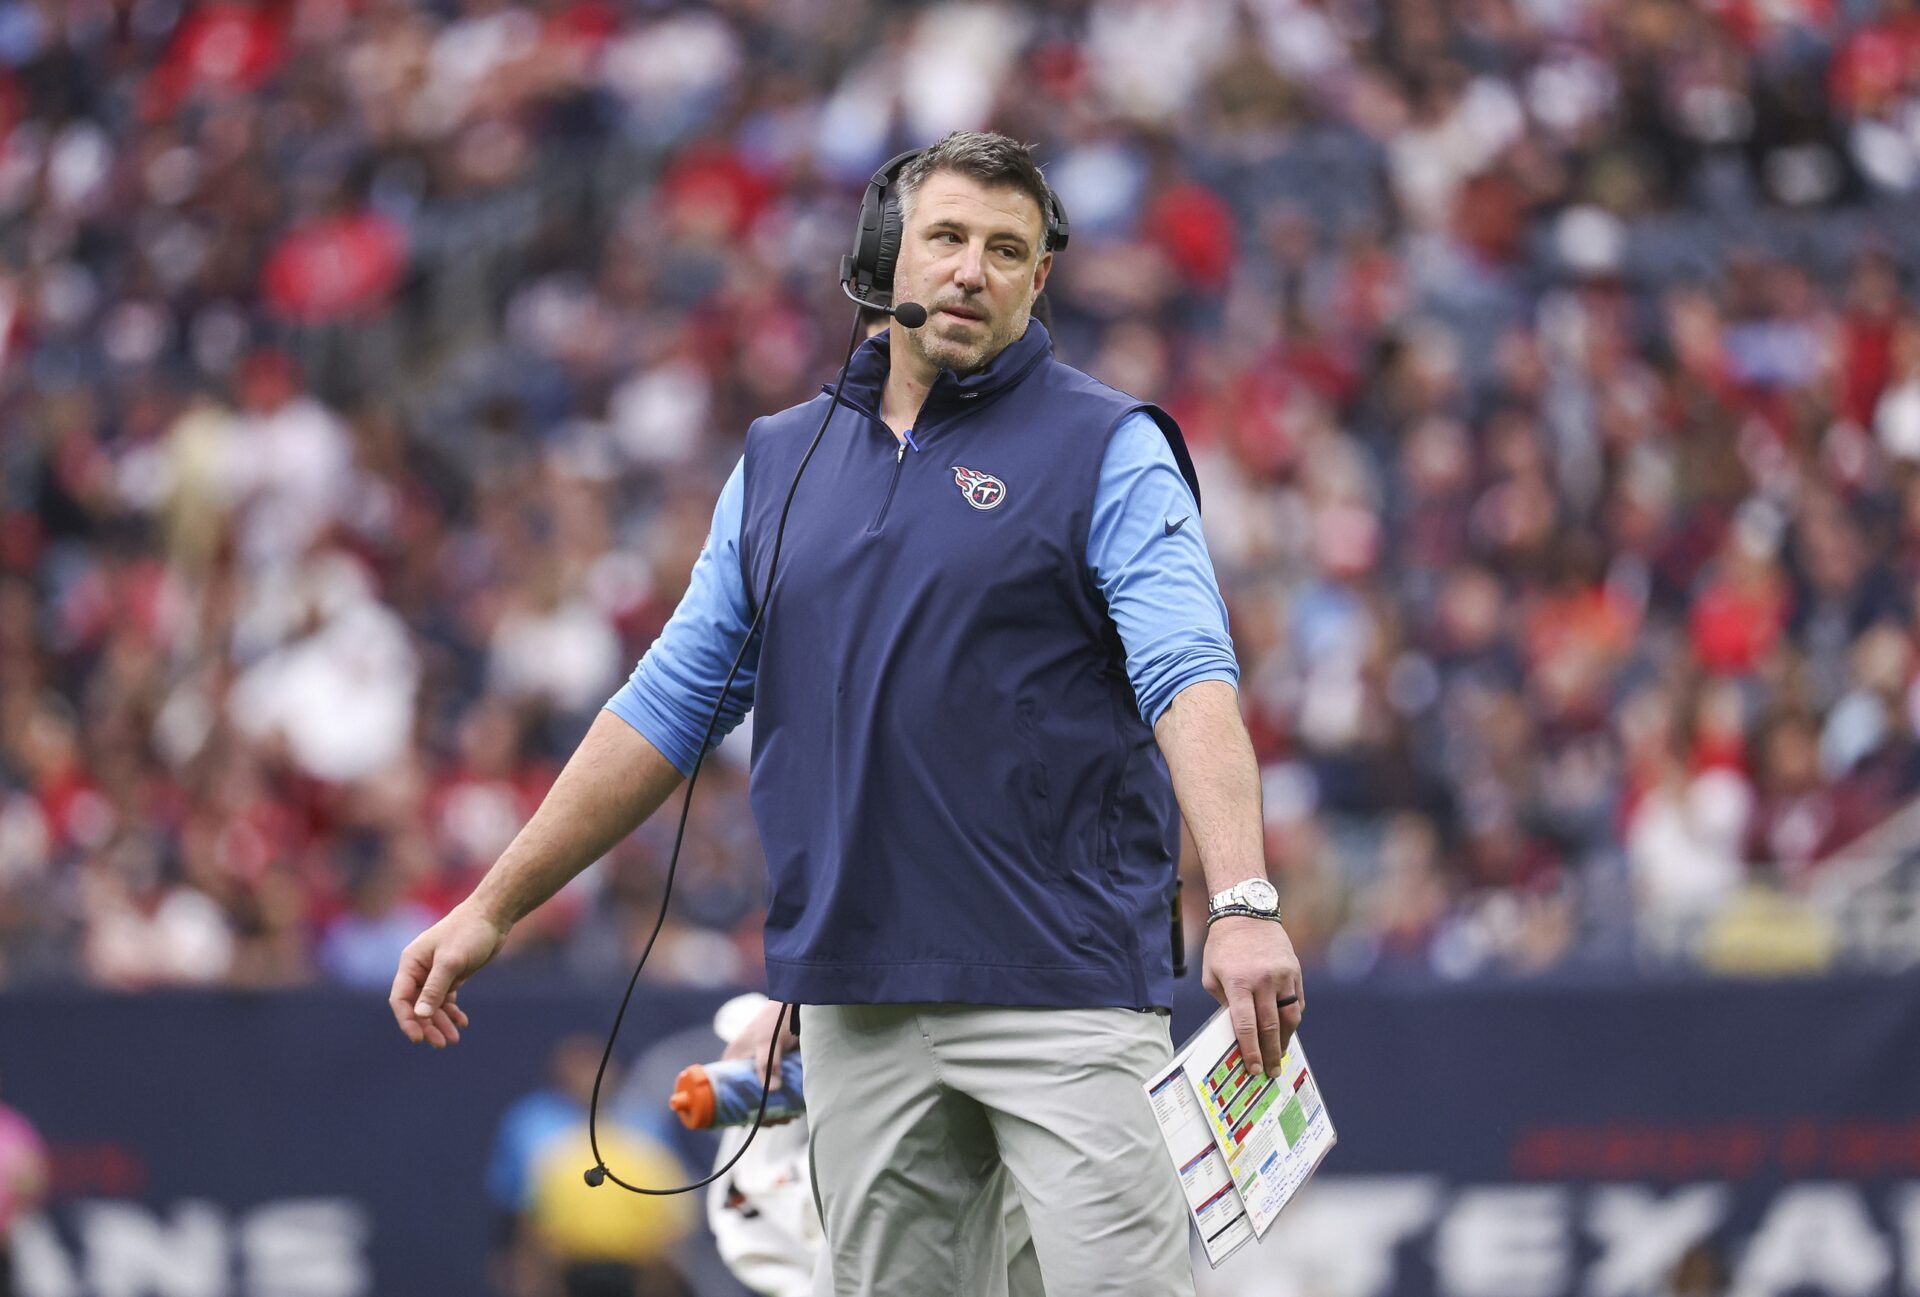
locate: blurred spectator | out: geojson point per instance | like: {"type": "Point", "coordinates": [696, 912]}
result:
{"type": "Point", "coordinates": [553, 1228]}
{"type": "Point", "coordinates": [23, 1183]}
{"type": "Point", "coordinates": [362, 945]}
{"type": "Point", "coordinates": [369, 371]}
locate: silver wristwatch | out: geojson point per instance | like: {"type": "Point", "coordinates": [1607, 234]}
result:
{"type": "Point", "coordinates": [1256, 897]}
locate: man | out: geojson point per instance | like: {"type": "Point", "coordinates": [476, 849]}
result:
{"type": "Point", "coordinates": [995, 658]}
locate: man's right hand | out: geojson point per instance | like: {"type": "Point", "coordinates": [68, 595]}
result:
{"type": "Point", "coordinates": [433, 966]}
{"type": "Point", "coordinates": [757, 1038]}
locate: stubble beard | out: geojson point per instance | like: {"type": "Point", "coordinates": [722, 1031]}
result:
{"type": "Point", "coordinates": [969, 358]}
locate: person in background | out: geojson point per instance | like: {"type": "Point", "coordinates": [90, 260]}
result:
{"type": "Point", "coordinates": [553, 1232]}
{"type": "Point", "coordinates": [23, 1183]}
{"type": "Point", "coordinates": [764, 1221]}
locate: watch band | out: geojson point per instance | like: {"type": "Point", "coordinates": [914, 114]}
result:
{"type": "Point", "coordinates": [1247, 910]}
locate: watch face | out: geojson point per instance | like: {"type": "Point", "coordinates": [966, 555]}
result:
{"type": "Point", "coordinates": [1260, 894]}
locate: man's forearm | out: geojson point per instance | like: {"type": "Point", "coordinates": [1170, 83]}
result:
{"type": "Point", "coordinates": [1250, 966]}
{"type": "Point", "coordinates": [614, 781]}
{"type": "Point", "coordinates": [1216, 780]}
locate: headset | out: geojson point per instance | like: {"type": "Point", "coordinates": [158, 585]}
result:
{"type": "Point", "coordinates": [866, 273]}
{"type": "Point", "coordinates": [866, 277]}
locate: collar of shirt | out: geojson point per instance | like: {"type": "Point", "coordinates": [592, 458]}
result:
{"type": "Point", "coordinates": [867, 374]}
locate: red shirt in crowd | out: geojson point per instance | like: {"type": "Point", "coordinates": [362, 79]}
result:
{"type": "Point", "coordinates": [339, 267]}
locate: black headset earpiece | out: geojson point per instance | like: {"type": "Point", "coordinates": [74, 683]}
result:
{"type": "Point", "coordinates": [867, 271]}
{"type": "Point", "coordinates": [887, 253]}
{"type": "Point", "coordinates": [1056, 218]}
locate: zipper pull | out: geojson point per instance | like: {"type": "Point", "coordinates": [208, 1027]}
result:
{"type": "Point", "coordinates": [901, 453]}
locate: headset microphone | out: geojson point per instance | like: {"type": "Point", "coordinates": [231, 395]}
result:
{"type": "Point", "coordinates": [911, 315]}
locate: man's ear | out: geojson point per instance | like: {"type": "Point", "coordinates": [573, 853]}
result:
{"type": "Point", "coordinates": [1040, 272]}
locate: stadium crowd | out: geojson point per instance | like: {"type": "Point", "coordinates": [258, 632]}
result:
{"type": "Point", "coordinates": [368, 369]}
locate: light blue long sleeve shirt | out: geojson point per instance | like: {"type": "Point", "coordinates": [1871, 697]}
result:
{"type": "Point", "coordinates": [1145, 554]}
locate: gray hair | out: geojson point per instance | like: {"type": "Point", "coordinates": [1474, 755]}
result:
{"type": "Point", "coordinates": [983, 156]}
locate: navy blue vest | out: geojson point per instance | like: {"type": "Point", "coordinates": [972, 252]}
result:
{"type": "Point", "coordinates": [956, 794]}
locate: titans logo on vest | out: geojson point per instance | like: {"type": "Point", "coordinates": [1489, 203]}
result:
{"type": "Point", "coordinates": [981, 490]}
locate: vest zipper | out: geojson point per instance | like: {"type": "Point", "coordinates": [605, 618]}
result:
{"type": "Point", "coordinates": [899, 458]}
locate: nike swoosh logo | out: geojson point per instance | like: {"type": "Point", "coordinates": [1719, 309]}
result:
{"type": "Point", "coordinates": [1176, 526]}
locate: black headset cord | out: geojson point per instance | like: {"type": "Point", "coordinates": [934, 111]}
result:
{"type": "Point", "coordinates": [599, 1172]}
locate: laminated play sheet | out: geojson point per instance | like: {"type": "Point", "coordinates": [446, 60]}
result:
{"type": "Point", "coordinates": [1242, 1143]}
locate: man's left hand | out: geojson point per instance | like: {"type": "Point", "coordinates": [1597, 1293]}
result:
{"type": "Point", "coordinates": [1250, 967]}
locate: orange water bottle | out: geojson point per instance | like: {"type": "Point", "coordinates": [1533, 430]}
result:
{"type": "Point", "coordinates": [727, 1093]}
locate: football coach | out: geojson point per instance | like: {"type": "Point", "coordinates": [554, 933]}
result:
{"type": "Point", "coordinates": [993, 677]}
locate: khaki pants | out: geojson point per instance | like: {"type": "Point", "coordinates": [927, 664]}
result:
{"type": "Point", "coordinates": [921, 1115]}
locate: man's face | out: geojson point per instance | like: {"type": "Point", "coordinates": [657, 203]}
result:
{"type": "Point", "coordinates": [971, 254]}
